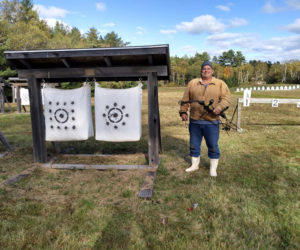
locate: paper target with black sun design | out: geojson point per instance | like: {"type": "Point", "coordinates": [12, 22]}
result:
{"type": "Point", "coordinates": [118, 114]}
{"type": "Point", "coordinates": [68, 114]}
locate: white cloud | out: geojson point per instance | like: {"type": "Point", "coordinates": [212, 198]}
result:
{"type": "Point", "coordinates": [228, 40]}
{"type": "Point", "coordinates": [294, 27]}
{"type": "Point", "coordinates": [274, 49]}
{"type": "Point", "coordinates": [51, 22]}
{"type": "Point", "coordinates": [101, 6]}
{"type": "Point", "coordinates": [288, 5]}
{"type": "Point", "coordinates": [50, 12]}
{"type": "Point", "coordinates": [295, 4]}
{"type": "Point", "coordinates": [223, 7]}
{"type": "Point", "coordinates": [200, 24]}
{"type": "Point", "coordinates": [270, 8]}
{"type": "Point", "coordinates": [141, 30]}
{"type": "Point", "coordinates": [238, 22]}
{"type": "Point", "coordinates": [168, 32]}
{"type": "Point", "coordinates": [189, 49]}
{"type": "Point", "coordinates": [109, 24]}
{"type": "Point", "coordinates": [223, 36]}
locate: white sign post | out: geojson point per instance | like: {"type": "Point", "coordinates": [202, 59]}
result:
{"type": "Point", "coordinates": [247, 97]}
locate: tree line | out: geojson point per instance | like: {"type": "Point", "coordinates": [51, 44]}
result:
{"type": "Point", "coordinates": [21, 28]}
{"type": "Point", "coordinates": [232, 67]}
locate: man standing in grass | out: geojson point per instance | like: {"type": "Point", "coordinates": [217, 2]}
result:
{"type": "Point", "coordinates": [206, 97]}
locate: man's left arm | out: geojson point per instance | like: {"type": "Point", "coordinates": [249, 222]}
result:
{"type": "Point", "coordinates": [225, 98]}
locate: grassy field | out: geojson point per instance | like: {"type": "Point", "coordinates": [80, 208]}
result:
{"type": "Point", "coordinates": [254, 203]}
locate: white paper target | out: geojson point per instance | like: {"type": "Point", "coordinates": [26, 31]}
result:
{"type": "Point", "coordinates": [68, 114]}
{"type": "Point", "coordinates": [118, 114]}
{"type": "Point", "coordinates": [247, 97]}
{"type": "Point", "coordinates": [24, 95]}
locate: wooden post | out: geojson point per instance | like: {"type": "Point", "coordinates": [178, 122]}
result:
{"type": "Point", "coordinates": [2, 101]}
{"type": "Point", "coordinates": [37, 120]}
{"type": "Point", "coordinates": [13, 94]}
{"type": "Point", "coordinates": [18, 100]}
{"type": "Point", "coordinates": [159, 131]}
{"type": "Point", "coordinates": [153, 120]}
{"type": "Point", "coordinates": [239, 114]}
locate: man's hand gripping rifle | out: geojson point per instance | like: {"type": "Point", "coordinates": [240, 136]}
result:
{"type": "Point", "coordinates": [208, 108]}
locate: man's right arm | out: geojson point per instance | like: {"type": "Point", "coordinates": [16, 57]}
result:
{"type": "Point", "coordinates": [184, 107]}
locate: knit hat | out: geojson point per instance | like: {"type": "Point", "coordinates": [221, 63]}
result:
{"type": "Point", "coordinates": [206, 63]}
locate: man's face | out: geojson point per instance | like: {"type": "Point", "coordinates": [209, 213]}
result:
{"type": "Point", "coordinates": [207, 72]}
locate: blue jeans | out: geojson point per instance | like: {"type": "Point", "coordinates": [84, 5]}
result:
{"type": "Point", "coordinates": [210, 132]}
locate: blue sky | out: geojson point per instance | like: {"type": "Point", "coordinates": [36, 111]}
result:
{"type": "Point", "coordinates": [262, 30]}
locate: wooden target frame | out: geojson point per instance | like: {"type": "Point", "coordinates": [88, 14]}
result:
{"type": "Point", "coordinates": [150, 63]}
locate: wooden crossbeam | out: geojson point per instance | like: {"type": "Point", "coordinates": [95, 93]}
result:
{"type": "Point", "coordinates": [150, 60]}
{"type": "Point", "coordinates": [65, 62]}
{"type": "Point", "coordinates": [107, 61]}
{"type": "Point", "coordinates": [99, 72]}
{"type": "Point", "coordinates": [95, 167]}
{"type": "Point", "coordinates": [15, 179]}
{"type": "Point", "coordinates": [26, 64]}
{"type": "Point", "coordinates": [96, 52]}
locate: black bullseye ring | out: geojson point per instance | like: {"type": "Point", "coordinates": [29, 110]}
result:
{"type": "Point", "coordinates": [115, 115]}
{"type": "Point", "coordinates": [61, 115]}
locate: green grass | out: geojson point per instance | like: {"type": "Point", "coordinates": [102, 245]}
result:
{"type": "Point", "coordinates": [253, 203]}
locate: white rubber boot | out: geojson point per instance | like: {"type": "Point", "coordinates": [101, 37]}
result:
{"type": "Point", "coordinates": [213, 167]}
{"type": "Point", "coordinates": [195, 164]}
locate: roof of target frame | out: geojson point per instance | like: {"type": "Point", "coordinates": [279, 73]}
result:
{"type": "Point", "coordinates": [109, 64]}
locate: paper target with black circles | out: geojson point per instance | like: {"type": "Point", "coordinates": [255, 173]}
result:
{"type": "Point", "coordinates": [118, 114]}
{"type": "Point", "coordinates": [68, 114]}
{"type": "Point", "coordinates": [24, 95]}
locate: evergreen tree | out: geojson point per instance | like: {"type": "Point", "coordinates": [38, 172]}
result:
{"type": "Point", "coordinates": [112, 40]}
{"type": "Point", "coordinates": [92, 38]}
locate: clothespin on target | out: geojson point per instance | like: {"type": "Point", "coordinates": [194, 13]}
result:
{"type": "Point", "coordinates": [140, 83]}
